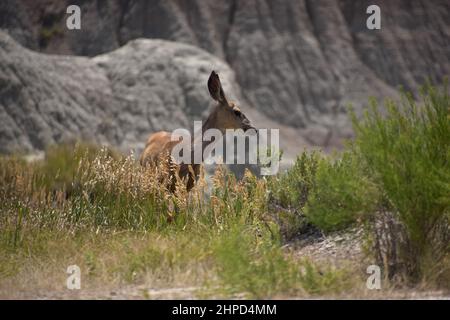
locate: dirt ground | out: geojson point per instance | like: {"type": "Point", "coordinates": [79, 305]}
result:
{"type": "Point", "coordinates": [335, 249]}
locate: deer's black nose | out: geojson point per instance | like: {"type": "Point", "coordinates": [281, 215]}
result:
{"type": "Point", "coordinates": [251, 129]}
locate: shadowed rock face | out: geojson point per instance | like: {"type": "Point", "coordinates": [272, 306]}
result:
{"type": "Point", "coordinates": [298, 62]}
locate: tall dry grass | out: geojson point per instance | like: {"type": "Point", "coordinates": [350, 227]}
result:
{"type": "Point", "coordinates": [118, 222]}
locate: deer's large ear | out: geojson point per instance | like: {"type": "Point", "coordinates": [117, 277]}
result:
{"type": "Point", "coordinates": [215, 88]}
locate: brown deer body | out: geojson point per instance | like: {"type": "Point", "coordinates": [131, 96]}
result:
{"type": "Point", "coordinates": [225, 115]}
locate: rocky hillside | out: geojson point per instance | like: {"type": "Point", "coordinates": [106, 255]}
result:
{"type": "Point", "coordinates": [116, 98]}
{"type": "Point", "coordinates": [298, 62]}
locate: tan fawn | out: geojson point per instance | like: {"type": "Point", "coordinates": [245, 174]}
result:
{"type": "Point", "coordinates": [225, 115]}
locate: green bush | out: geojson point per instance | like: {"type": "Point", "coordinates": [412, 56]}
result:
{"type": "Point", "coordinates": [331, 193]}
{"type": "Point", "coordinates": [341, 194]}
{"type": "Point", "coordinates": [291, 188]}
{"type": "Point", "coordinates": [406, 150]}
{"type": "Point", "coordinates": [288, 193]}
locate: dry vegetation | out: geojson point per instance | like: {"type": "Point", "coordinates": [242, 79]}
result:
{"type": "Point", "coordinates": [114, 219]}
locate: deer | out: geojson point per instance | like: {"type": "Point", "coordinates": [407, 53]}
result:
{"type": "Point", "coordinates": [225, 115]}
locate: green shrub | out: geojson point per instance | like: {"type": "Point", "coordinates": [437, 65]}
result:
{"type": "Point", "coordinates": [341, 194]}
{"type": "Point", "coordinates": [288, 193]}
{"type": "Point", "coordinates": [332, 194]}
{"type": "Point", "coordinates": [291, 188]}
{"type": "Point", "coordinates": [406, 150]}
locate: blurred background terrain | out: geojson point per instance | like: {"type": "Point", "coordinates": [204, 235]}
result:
{"type": "Point", "coordinates": [293, 65]}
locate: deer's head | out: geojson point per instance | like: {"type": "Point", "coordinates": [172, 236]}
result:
{"type": "Point", "coordinates": [226, 115]}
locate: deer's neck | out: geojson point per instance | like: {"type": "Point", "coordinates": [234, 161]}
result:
{"type": "Point", "coordinates": [210, 123]}
{"type": "Point", "coordinates": [197, 141]}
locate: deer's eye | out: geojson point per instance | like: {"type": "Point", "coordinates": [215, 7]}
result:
{"type": "Point", "coordinates": [237, 113]}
